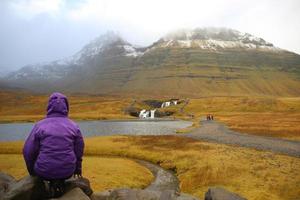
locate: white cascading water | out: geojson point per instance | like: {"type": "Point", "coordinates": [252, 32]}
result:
{"type": "Point", "coordinates": [142, 113]}
{"type": "Point", "coordinates": [152, 114]}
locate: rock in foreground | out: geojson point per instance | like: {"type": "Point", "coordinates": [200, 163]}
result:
{"type": "Point", "coordinates": [33, 188]}
{"type": "Point", "coordinates": [217, 193]}
{"type": "Point", "coordinates": [74, 194]}
{"type": "Point", "coordinates": [138, 194]}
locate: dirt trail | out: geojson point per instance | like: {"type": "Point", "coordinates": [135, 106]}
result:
{"type": "Point", "coordinates": [219, 133]}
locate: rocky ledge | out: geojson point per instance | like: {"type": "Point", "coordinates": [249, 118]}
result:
{"type": "Point", "coordinates": [32, 188]}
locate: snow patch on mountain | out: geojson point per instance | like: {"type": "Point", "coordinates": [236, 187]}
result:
{"type": "Point", "coordinates": [213, 39]}
{"type": "Point", "coordinates": [132, 51]}
{"type": "Point", "coordinates": [212, 44]}
{"type": "Point", "coordinates": [185, 43]}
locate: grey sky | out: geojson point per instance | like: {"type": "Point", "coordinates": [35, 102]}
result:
{"type": "Point", "coordinates": [34, 31]}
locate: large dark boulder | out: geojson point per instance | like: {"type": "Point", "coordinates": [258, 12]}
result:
{"type": "Point", "coordinates": [217, 193]}
{"type": "Point", "coordinates": [82, 183]}
{"type": "Point", "coordinates": [33, 188]}
{"type": "Point", "coordinates": [5, 183]}
{"type": "Point", "coordinates": [28, 188]}
{"type": "Point", "coordinates": [74, 194]}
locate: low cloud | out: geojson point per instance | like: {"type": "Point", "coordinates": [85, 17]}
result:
{"type": "Point", "coordinates": [45, 30]}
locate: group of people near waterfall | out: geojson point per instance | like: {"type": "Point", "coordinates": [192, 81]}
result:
{"type": "Point", "coordinates": [209, 117]}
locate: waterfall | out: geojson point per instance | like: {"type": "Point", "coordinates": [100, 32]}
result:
{"type": "Point", "coordinates": [142, 113]}
{"type": "Point", "coordinates": [168, 103]}
{"type": "Point", "coordinates": [152, 114]}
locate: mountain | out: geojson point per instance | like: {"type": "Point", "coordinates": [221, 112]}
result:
{"type": "Point", "coordinates": [70, 72]}
{"type": "Point", "coordinates": [198, 62]}
{"type": "Point", "coordinates": [213, 38]}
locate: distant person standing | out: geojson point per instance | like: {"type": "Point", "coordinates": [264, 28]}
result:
{"type": "Point", "coordinates": [53, 151]}
{"type": "Point", "coordinates": [208, 117]}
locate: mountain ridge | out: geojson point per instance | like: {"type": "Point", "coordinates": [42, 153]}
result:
{"type": "Point", "coordinates": [207, 56]}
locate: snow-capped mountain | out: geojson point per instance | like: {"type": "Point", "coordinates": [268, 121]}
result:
{"type": "Point", "coordinates": [203, 61]}
{"type": "Point", "coordinates": [213, 39]}
{"type": "Point", "coordinates": [104, 43]}
{"type": "Point", "coordinates": [55, 70]}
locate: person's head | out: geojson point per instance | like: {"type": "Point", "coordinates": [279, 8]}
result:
{"type": "Point", "coordinates": [57, 104]}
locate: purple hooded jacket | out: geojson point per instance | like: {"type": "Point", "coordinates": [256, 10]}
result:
{"type": "Point", "coordinates": [54, 148]}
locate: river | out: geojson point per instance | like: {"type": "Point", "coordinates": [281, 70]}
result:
{"type": "Point", "coordinates": [20, 131]}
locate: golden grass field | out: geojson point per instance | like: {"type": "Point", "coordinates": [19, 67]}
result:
{"type": "Point", "coordinates": [276, 117]}
{"type": "Point", "coordinates": [20, 106]}
{"type": "Point", "coordinates": [103, 172]}
{"type": "Point", "coordinates": [256, 175]}
{"type": "Point", "coordinates": [268, 116]}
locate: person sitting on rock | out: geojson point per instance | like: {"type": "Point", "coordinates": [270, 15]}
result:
{"type": "Point", "coordinates": [53, 150]}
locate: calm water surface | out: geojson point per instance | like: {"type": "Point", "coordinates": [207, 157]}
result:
{"type": "Point", "coordinates": [20, 131]}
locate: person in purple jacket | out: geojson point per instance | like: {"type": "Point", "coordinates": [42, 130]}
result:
{"type": "Point", "coordinates": [53, 151]}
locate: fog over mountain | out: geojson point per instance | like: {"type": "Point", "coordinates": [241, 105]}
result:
{"type": "Point", "coordinates": [37, 31]}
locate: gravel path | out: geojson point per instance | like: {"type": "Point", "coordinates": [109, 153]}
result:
{"type": "Point", "coordinates": [219, 133]}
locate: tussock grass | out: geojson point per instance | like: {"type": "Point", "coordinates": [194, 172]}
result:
{"type": "Point", "coordinates": [199, 165]}
{"type": "Point", "coordinates": [103, 172]}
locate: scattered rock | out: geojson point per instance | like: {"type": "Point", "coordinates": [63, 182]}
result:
{"type": "Point", "coordinates": [33, 188]}
{"type": "Point", "coordinates": [217, 193]}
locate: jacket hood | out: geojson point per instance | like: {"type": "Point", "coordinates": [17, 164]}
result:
{"type": "Point", "coordinates": [57, 105]}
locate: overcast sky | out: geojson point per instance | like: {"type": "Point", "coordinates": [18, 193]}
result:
{"type": "Point", "coordinates": [33, 31]}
